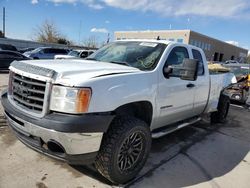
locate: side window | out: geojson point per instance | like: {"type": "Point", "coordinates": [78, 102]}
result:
{"type": "Point", "coordinates": [9, 55]}
{"type": "Point", "coordinates": [197, 55]}
{"type": "Point", "coordinates": [15, 55]}
{"type": "Point", "coordinates": [53, 51]}
{"type": "Point", "coordinates": [175, 58]}
{"type": "Point", "coordinates": [60, 51]}
{"type": "Point", "coordinates": [46, 51]}
{"type": "Point", "coordinates": [84, 54]}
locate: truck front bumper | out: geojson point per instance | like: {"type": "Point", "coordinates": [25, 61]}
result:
{"type": "Point", "coordinates": [78, 145]}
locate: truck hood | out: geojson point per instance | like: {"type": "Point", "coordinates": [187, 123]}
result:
{"type": "Point", "coordinates": [72, 72]}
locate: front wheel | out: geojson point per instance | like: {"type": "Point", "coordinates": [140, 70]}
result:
{"type": "Point", "coordinates": [220, 116]}
{"type": "Point", "coordinates": [124, 150]}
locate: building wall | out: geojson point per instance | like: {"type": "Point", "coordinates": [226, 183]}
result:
{"type": "Point", "coordinates": [172, 35]}
{"type": "Point", "coordinates": [214, 49]}
{"type": "Point", "coordinates": [217, 50]}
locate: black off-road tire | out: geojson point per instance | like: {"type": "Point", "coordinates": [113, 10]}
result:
{"type": "Point", "coordinates": [220, 116]}
{"type": "Point", "coordinates": [121, 130]}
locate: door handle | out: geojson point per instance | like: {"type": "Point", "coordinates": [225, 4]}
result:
{"type": "Point", "coordinates": [190, 85]}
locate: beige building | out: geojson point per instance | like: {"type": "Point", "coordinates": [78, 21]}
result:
{"type": "Point", "coordinates": [214, 49]}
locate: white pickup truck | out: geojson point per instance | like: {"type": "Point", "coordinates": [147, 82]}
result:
{"type": "Point", "coordinates": [107, 108]}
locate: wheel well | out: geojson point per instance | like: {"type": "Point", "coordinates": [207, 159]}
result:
{"type": "Point", "coordinates": [142, 110]}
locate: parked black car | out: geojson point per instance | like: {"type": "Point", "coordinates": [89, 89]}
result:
{"type": "Point", "coordinates": [7, 57]}
{"type": "Point", "coordinates": [7, 47]}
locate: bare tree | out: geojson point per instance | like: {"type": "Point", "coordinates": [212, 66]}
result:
{"type": "Point", "coordinates": [91, 42]}
{"type": "Point", "coordinates": [48, 32]}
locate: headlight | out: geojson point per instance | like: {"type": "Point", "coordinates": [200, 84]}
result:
{"type": "Point", "coordinates": [70, 100]}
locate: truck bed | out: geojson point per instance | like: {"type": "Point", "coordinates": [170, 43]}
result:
{"type": "Point", "coordinates": [218, 82]}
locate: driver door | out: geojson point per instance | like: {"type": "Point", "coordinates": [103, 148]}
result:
{"type": "Point", "coordinates": [176, 96]}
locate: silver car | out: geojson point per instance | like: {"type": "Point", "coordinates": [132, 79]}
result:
{"type": "Point", "coordinates": [45, 53]}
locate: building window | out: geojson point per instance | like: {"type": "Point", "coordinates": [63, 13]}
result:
{"type": "Point", "coordinates": [206, 46]}
{"type": "Point", "coordinates": [195, 43]}
{"type": "Point", "coordinates": [191, 41]}
{"type": "Point", "coordinates": [200, 44]}
{"type": "Point", "coordinates": [209, 47]}
{"type": "Point", "coordinates": [118, 39]}
{"type": "Point", "coordinates": [180, 40]}
{"type": "Point", "coordinates": [203, 45]}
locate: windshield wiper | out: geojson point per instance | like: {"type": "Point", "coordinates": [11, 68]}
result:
{"type": "Point", "coordinates": [120, 62]}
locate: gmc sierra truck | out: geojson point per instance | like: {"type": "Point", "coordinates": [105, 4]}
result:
{"type": "Point", "coordinates": [106, 109]}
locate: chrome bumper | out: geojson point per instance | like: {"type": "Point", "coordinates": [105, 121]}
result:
{"type": "Point", "coordinates": [72, 143]}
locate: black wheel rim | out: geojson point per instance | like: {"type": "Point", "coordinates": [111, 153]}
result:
{"type": "Point", "coordinates": [130, 151]}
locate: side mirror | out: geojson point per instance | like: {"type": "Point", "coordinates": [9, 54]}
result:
{"type": "Point", "coordinates": [186, 71]}
{"type": "Point", "coordinates": [189, 69]}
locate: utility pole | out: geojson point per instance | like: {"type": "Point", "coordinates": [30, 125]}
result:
{"type": "Point", "coordinates": [80, 30]}
{"type": "Point", "coordinates": [3, 21]}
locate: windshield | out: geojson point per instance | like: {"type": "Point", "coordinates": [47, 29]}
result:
{"type": "Point", "coordinates": [141, 55]}
{"type": "Point", "coordinates": [36, 50]}
{"type": "Point", "coordinates": [74, 53]}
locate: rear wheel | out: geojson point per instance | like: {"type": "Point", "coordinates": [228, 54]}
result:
{"type": "Point", "coordinates": [223, 108]}
{"type": "Point", "coordinates": [124, 150]}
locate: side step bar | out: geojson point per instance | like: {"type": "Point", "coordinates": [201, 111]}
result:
{"type": "Point", "coordinates": [169, 130]}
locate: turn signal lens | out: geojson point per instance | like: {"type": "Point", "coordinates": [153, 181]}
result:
{"type": "Point", "coordinates": [83, 99]}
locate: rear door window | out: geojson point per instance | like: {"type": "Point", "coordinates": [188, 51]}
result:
{"type": "Point", "coordinates": [197, 55]}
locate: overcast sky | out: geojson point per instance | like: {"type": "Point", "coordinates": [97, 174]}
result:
{"type": "Point", "coordinates": [227, 20]}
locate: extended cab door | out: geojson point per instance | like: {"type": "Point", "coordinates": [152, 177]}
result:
{"type": "Point", "coordinates": [175, 96]}
{"type": "Point", "coordinates": [202, 82]}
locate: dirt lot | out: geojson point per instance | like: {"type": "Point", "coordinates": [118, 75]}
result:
{"type": "Point", "coordinates": [197, 156]}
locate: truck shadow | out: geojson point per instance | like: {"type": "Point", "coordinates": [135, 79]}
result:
{"type": "Point", "coordinates": [209, 152]}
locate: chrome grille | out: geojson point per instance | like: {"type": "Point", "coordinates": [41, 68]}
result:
{"type": "Point", "coordinates": [28, 93]}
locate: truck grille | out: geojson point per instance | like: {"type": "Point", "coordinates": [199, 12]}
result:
{"type": "Point", "coordinates": [28, 92]}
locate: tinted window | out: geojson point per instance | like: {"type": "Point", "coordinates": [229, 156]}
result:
{"type": "Point", "coordinates": [84, 54]}
{"type": "Point", "coordinates": [57, 51]}
{"type": "Point", "coordinates": [60, 51]}
{"type": "Point", "coordinates": [7, 47]}
{"type": "Point", "coordinates": [10, 55]}
{"type": "Point", "coordinates": [91, 52]}
{"type": "Point", "coordinates": [176, 57]}
{"type": "Point", "coordinates": [46, 51]}
{"type": "Point", "coordinates": [197, 55]}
